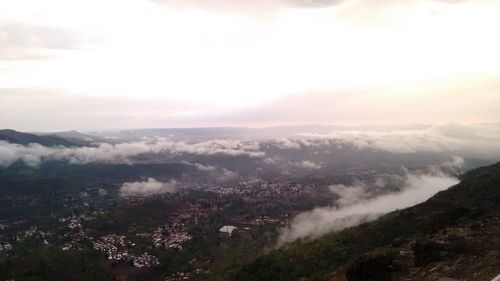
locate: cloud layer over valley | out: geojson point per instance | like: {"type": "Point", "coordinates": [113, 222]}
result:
{"type": "Point", "coordinates": [308, 150]}
{"type": "Point", "coordinates": [482, 140]}
{"type": "Point", "coordinates": [34, 154]}
{"type": "Point", "coordinates": [355, 205]}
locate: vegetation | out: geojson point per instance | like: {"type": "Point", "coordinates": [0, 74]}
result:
{"type": "Point", "coordinates": [244, 256]}
{"type": "Point", "coordinates": [475, 197]}
{"type": "Point", "coordinates": [55, 265]}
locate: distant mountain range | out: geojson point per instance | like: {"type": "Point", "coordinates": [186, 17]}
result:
{"type": "Point", "coordinates": [453, 236]}
{"type": "Point", "coordinates": [27, 138]}
{"type": "Point", "coordinates": [242, 132]}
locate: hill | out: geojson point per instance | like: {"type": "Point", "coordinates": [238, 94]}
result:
{"type": "Point", "coordinates": [27, 138]}
{"type": "Point", "coordinates": [455, 235]}
{"type": "Point", "coordinates": [73, 136]}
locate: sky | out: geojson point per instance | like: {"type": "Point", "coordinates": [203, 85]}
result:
{"type": "Point", "coordinates": [110, 64]}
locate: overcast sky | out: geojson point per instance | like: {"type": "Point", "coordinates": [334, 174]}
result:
{"type": "Point", "coordinates": [112, 64]}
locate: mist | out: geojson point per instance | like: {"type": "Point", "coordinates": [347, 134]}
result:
{"type": "Point", "coordinates": [299, 151]}
{"type": "Point", "coordinates": [354, 208]}
{"type": "Point", "coordinates": [147, 188]}
{"type": "Point", "coordinates": [34, 154]}
{"type": "Point", "coordinates": [480, 140]}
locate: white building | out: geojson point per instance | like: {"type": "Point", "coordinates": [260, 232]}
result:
{"type": "Point", "coordinates": [228, 229]}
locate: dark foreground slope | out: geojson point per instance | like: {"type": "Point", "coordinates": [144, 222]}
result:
{"type": "Point", "coordinates": [455, 234]}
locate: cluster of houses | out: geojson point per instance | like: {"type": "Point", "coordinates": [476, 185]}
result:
{"type": "Point", "coordinates": [116, 247]}
{"type": "Point", "coordinates": [5, 246]}
{"type": "Point", "coordinates": [169, 239]}
{"type": "Point", "coordinates": [145, 260]}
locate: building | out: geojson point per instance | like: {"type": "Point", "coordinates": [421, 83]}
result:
{"type": "Point", "coordinates": [228, 229]}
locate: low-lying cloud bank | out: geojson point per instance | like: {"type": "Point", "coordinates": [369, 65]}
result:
{"type": "Point", "coordinates": [34, 154]}
{"type": "Point", "coordinates": [306, 164]}
{"type": "Point", "coordinates": [298, 143]}
{"type": "Point", "coordinates": [303, 164]}
{"type": "Point", "coordinates": [353, 208]}
{"type": "Point", "coordinates": [349, 195]}
{"type": "Point", "coordinates": [470, 140]}
{"type": "Point", "coordinates": [200, 167]}
{"type": "Point", "coordinates": [147, 188]}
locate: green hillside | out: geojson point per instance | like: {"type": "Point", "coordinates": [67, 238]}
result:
{"type": "Point", "coordinates": [455, 234]}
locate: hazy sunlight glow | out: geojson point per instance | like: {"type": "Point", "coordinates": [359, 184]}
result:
{"type": "Point", "coordinates": [225, 60]}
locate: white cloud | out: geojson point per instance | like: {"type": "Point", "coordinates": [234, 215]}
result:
{"type": "Point", "coordinates": [285, 143]}
{"type": "Point", "coordinates": [200, 166]}
{"type": "Point", "coordinates": [227, 175]}
{"type": "Point", "coordinates": [145, 188]}
{"type": "Point", "coordinates": [34, 154]}
{"type": "Point", "coordinates": [482, 140]}
{"type": "Point", "coordinates": [244, 61]}
{"type": "Point", "coordinates": [25, 41]}
{"type": "Point", "coordinates": [302, 164]}
{"type": "Point", "coordinates": [102, 192]}
{"type": "Point", "coordinates": [465, 141]}
{"type": "Point", "coordinates": [297, 143]}
{"type": "Point", "coordinates": [349, 195]}
{"type": "Point", "coordinates": [306, 164]}
{"type": "Point", "coordinates": [7, 155]}
{"type": "Point", "coordinates": [31, 154]}
{"type": "Point", "coordinates": [353, 209]}
{"type": "Point", "coordinates": [272, 160]}
{"type": "Point", "coordinates": [396, 142]}
{"type": "Point", "coordinates": [227, 147]}
{"type": "Point", "coordinates": [456, 166]}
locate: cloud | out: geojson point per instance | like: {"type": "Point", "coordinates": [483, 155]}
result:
{"type": "Point", "coordinates": [272, 160]}
{"type": "Point", "coordinates": [306, 164]}
{"type": "Point", "coordinates": [285, 143]}
{"type": "Point", "coordinates": [354, 209]}
{"type": "Point", "coordinates": [271, 7]}
{"type": "Point", "coordinates": [20, 41]}
{"type": "Point", "coordinates": [31, 154]}
{"type": "Point", "coordinates": [455, 167]}
{"type": "Point", "coordinates": [303, 164]}
{"type": "Point", "coordinates": [200, 166]}
{"type": "Point", "coordinates": [348, 195]}
{"type": "Point", "coordinates": [211, 147]}
{"type": "Point", "coordinates": [459, 98]}
{"type": "Point", "coordinates": [90, 111]}
{"type": "Point", "coordinates": [34, 154]}
{"type": "Point", "coordinates": [297, 143]}
{"type": "Point", "coordinates": [480, 140]}
{"type": "Point", "coordinates": [259, 8]}
{"type": "Point", "coordinates": [102, 192]}
{"type": "Point", "coordinates": [145, 188]}
{"type": "Point", "coordinates": [310, 54]}
{"type": "Point", "coordinates": [7, 155]}
{"type": "Point", "coordinates": [228, 175]}
{"type": "Point", "coordinates": [395, 142]}
{"type": "Point", "coordinates": [84, 194]}
{"type": "Point", "coordinates": [314, 3]}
